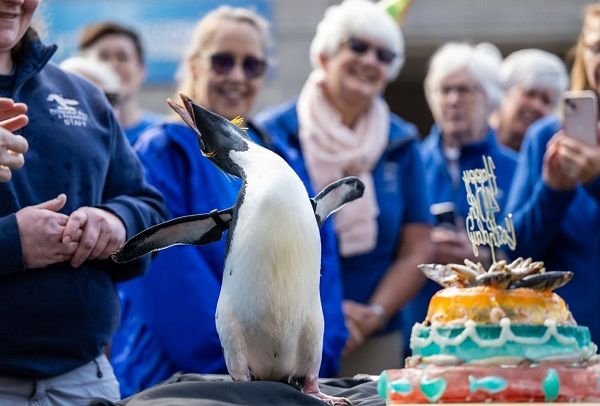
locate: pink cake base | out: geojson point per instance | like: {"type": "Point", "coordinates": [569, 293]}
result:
{"type": "Point", "coordinates": [459, 384]}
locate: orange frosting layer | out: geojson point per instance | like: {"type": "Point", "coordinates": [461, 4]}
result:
{"type": "Point", "coordinates": [488, 305]}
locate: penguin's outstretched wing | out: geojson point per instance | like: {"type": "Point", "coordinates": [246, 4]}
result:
{"type": "Point", "coordinates": [197, 229]}
{"type": "Point", "coordinates": [335, 195]}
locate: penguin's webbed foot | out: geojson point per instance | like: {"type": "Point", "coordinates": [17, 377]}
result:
{"type": "Point", "coordinates": [311, 388]}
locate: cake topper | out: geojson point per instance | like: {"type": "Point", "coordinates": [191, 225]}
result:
{"type": "Point", "coordinates": [481, 224]}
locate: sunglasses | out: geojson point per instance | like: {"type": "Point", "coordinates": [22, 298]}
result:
{"type": "Point", "coordinates": [361, 47]}
{"type": "Point", "coordinates": [223, 62]}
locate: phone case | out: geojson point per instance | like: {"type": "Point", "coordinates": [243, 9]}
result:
{"type": "Point", "coordinates": [580, 116]}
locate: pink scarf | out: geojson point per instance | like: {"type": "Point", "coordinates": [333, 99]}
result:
{"type": "Point", "coordinates": [333, 151]}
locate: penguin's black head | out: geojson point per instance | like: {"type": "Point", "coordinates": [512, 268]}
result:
{"type": "Point", "coordinates": [217, 135]}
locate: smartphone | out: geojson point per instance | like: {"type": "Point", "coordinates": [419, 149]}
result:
{"type": "Point", "coordinates": [444, 214]}
{"type": "Point", "coordinates": [580, 115]}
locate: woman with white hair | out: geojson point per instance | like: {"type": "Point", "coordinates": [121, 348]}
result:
{"type": "Point", "coordinates": [533, 81]}
{"type": "Point", "coordinates": [462, 89]}
{"type": "Point", "coordinates": [339, 126]}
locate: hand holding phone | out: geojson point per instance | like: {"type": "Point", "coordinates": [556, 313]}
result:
{"type": "Point", "coordinates": [580, 116]}
{"type": "Point", "coordinates": [444, 214]}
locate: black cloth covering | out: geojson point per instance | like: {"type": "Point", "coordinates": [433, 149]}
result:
{"type": "Point", "coordinates": [203, 390]}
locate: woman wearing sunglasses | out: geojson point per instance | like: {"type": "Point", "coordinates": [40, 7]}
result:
{"type": "Point", "coordinates": [168, 324]}
{"type": "Point", "coordinates": [339, 126]}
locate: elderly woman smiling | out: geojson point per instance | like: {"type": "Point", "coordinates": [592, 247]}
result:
{"type": "Point", "coordinates": [463, 89]}
{"type": "Point", "coordinates": [339, 126]}
{"type": "Point", "coordinates": [533, 81]}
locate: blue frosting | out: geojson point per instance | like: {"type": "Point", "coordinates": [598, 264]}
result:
{"type": "Point", "coordinates": [467, 350]}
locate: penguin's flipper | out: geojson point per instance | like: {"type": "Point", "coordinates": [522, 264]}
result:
{"type": "Point", "coordinates": [335, 195]}
{"type": "Point", "coordinates": [197, 229]}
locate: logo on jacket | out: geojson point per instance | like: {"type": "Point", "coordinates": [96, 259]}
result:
{"type": "Point", "coordinates": [65, 110]}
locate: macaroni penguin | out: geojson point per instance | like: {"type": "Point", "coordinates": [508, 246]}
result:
{"type": "Point", "coordinates": [269, 316]}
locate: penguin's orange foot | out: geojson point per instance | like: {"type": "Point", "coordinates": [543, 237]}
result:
{"type": "Point", "coordinates": [311, 388]}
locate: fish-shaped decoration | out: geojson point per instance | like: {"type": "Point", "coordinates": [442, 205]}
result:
{"type": "Point", "coordinates": [496, 279]}
{"type": "Point", "coordinates": [489, 384]}
{"type": "Point", "coordinates": [543, 281]}
{"type": "Point", "coordinates": [442, 274]}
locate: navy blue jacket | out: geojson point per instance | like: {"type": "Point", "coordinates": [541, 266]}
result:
{"type": "Point", "coordinates": [57, 318]}
{"type": "Point", "coordinates": [561, 228]}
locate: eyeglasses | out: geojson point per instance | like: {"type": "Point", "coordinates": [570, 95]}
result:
{"type": "Point", "coordinates": [463, 91]}
{"type": "Point", "coordinates": [223, 62]}
{"type": "Point", "coordinates": [360, 47]}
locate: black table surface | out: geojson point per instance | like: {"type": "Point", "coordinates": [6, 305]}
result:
{"type": "Point", "coordinates": [195, 389]}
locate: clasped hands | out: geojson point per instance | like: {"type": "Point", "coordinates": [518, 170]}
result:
{"type": "Point", "coordinates": [49, 237]}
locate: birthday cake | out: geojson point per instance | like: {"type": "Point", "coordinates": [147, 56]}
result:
{"type": "Point", "coordinates": [496, 335]}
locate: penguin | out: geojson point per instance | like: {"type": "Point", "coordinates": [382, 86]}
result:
{"type": "Point", "coordinates": [269, 316]}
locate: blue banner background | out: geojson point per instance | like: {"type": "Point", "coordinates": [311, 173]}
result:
{"type": "Point", "coordinates": [164, 26]}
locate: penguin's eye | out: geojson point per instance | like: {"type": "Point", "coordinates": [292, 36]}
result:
{"type": "Point", "coordinates": [209, 154]}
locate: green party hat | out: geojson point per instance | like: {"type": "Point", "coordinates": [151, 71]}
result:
{"type": "Point", "coordinates": [396, 8]}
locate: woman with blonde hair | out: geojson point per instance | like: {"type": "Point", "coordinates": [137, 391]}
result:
{"type": "Point", "coordinates": [169, 323]}
{"type": "Point", "coordinates": [555, 198]}
{"type": "Point", "coordinates": [588, 46]}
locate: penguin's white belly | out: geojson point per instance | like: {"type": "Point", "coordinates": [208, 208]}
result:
{"type": "Point", "coordinates": [269, 308]}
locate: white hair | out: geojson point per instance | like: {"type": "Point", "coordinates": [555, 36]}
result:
{"type": "Point", "coordinates": [481, 61]}
{"type": "Point", "coordinates": [359, 18]}
{"type": "Point", "coordinates": [94, 70]}
{"type": "Point", "coordinates": [535, 69]}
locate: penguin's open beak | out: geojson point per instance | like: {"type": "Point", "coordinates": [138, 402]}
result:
{"type": "Point", "coordinates": [217, 135]}
{"type": "Point", "coordinates": [186, 112]}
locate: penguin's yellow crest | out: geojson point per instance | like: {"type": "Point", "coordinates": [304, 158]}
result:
{"type": "Point", "coordinates": [239, 122]}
